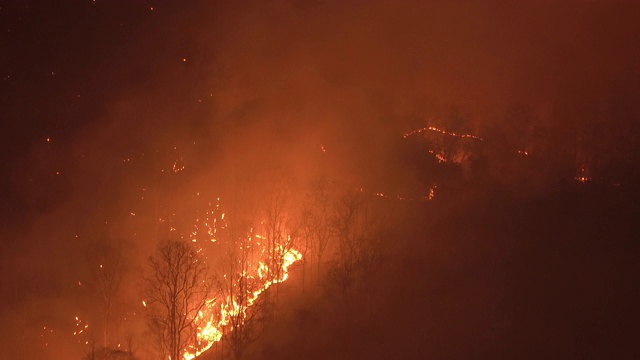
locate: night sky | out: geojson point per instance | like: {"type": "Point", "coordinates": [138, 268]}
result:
{"type": "Point", "coordinates": [502, 141]}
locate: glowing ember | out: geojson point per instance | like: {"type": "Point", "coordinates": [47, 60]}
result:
{"type": "Point", "coordinates": [439, 156]}
{"type": "Point", "coordinates": [583, 174]}
{"type": "Point", "coordinates": [225, 311]}
{"type": "Point", "coordinates": [178, 166]}
{"type": "Point", "coordinates": [582, 179]}
{"type": "Point", "coordinates": [399, 197]}
{"type": "Point", "coordinates": [433, 128]}
{"type": "Point", "coordinates": [432, 192]}
{"type": "Point", "coordinates": [80, 327]}
{"type": "Point", "coordinates": [212, 320]}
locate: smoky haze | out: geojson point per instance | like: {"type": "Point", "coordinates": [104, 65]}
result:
{"type": "Point", "coordinates": [122, 121]}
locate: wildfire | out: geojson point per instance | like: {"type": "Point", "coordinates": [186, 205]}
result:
{"type": "Point", "coordinates": [439, 156]}
{"type": "Point", "coordinates": [433, 128]}
{"type": "Point", "coordinates": [216, 316]}
{"type": "Point", "coordinates": [207, 224]}
{"type": "Point", "coordinates": [430, 196]}
{"type": "Point", "coordinates": [224, 311]}
{"type": "Point", "coordinates": [214, 319]}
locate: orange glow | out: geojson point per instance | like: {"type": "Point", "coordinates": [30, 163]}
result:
{"type": "Point", "coordinates": [428, 197]}
{"type": "Point", "coordinates": [215, 319]}
{"type": "Point", "coordinates": [80, 327]}
{"type": "Point", "coordinates": [583, 174]}
{"type": "Point", "coordinates": [178, 166]}
{"type": "Point", "coordinates": [433, 128]}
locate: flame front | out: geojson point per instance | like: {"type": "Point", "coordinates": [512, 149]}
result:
{"type": "Point", "coordinates": [215, 319]}
{"type": "Point", "coordinates": [435, 129]}
{"type": "Point", "coordinates": [216, 314]}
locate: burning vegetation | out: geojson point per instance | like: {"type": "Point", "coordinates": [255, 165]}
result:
{"type": "Point", "coordinates": [319, 180]}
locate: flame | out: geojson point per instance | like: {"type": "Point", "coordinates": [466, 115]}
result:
{"type": "Point", "coordinates": [439, 156]}
{"type": "Point", "coordinates": [214, 320]}
{"type": "Point", "coordinates": [399, 197]}
{"type": "Point", "coordinates": [80, 328]}
{"type": "Point", "coordinates": [216, 315]}
{"type": "Point", "coordinates": [433, 128]}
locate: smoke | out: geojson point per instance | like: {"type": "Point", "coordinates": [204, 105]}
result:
{"type": "Point", "coordinates": [119, 113]}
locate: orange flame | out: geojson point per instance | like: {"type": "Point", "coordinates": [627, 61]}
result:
{"type": "Point", "coordinates": [215, 318]}
{"type": "Point", "coordinates": [433, 128]}
{"type": "Point", "coordinates": [217, 314]}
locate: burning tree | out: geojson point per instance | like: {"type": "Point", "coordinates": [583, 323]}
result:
{"type": "Point", "coordinates": [280, 233]}
{"type": "Point", "coordinates": [233, 238]}
{"type": "Point", "coordinates": [244, 308]}
{"type": "Point", "coordinates": [175, 292]}
{"type": "Point", "coordinates": [246, 274]}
